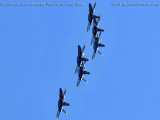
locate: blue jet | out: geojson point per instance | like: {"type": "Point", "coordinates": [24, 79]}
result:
{"type": "Point", "coordinates": [80, 75]}
{"type": "Point", "coordinates": [80, 59]}
{"type": "Point", "coordinates": [61, 102]}
{"type": "Point", "coordinates": [91, 16]}
{"type": "Point", "coordinates": [95, 47]}
{"type": "Point", "coordinates": [95, 31]}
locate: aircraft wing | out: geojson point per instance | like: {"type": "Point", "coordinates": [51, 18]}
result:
{"type": "Point", "coordinates": [92, 40]}
{"type": "Point", "coordinates": [93, 55]}
{"type": "Point", "coordinates": [88, 27]}
{"type": "Point", "coordinates": [94, 5]}
{"type": "Point", "coordinates": [65, 91]}
{"type": "Point", "coordinates": [99, 34]}
{"type": "Point", "coordinates": [76, 69]}
{"type": "Point", "coordinates": [57, 116]}
{"type": "Point", "coordinates": [83, 47]}
{"type": "Point", "coordinates": [85, 72]}
{"type": "Point", "coordinates": [66, 104]}
{"type": "Point", "coordinates": [78, 82]}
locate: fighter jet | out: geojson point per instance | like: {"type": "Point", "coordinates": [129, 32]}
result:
{"type": "Point", "coordinates": [80, 59]}
{"type": "Point", "coordinates": [80, 75]}
{"type": "Point", "coordinates": [91, 16]}
{"type": "Point", "coordinates": [95, 47]}
{"type": "Point", "coordinates": [95, 31]}
{"type": "Point", "coordinates": [92, 9]}
{"type": "Point", "coordinates": [61, 102]}
{"type": "Point", "coordinates": [95, 21]}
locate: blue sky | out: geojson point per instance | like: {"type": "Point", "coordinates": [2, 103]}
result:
{"type": "Point", "coordinates": [38, 50]}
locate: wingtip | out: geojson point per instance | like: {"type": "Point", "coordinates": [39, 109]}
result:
{"type": "Point", "coordinates": [86, 81]}
{"type": "Point", "coordinates": [69, 104]}
{"type": "Point", "coordinates": [101, 54]}
{"type": "Point", "coordinates": [66, 113]}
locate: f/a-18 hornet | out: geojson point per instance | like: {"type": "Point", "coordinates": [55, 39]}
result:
{"type": "Point", "coordinates": [95, 47]}
{"type": "Point", "coordinates": [95, 31]}
{"type": "Point", "coordinates": [80, 75]}
{"type": "Point", "coordinates": [80, 59]}
{"type": "Point", "coordinates": [91, 16]}
{"type": "Point", "coordinates": [61, 102]}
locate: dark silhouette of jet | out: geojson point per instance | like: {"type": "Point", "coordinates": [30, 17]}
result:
{"type": "Point", "coordinates": [95, 31]}
{"type": "Point", "coordinates": [80, 59]}
{"type": "Point", "coordinates": [61, 102]}
{"type": "Point", "coordinates": [80, 75]}
{"type": "Point", "coordinates": [95, 47]}
{"type": "Point", "coordinates": [91, 17]}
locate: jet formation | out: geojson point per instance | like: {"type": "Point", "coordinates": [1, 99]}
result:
{"type": "Point", "coordinates": [96, 31]}
{"type": "Point", "coordinates": [81, 65]}
{"type": "Point", "coordinates": [81, 60]}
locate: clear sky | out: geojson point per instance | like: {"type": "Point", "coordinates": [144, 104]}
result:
{"type": "Point", "coordinates": [38, 50]}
